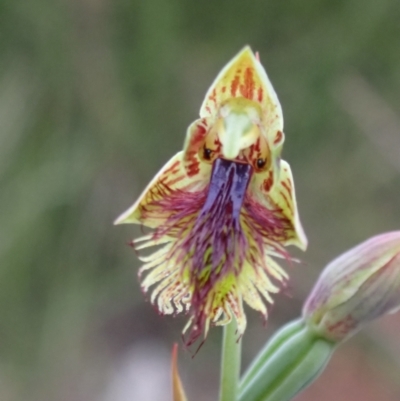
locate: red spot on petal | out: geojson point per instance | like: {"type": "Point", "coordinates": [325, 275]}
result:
{"type": "Point", "coordinates": [260, 94]}
{"type": "Point", "coordinates": [286, 200]}
{"type": "Point", "coordinates": [267, 184]}
{"type": "Point", "coordinates": [170, 169]}
{"type": "Point", "coordinates": [223, 89]}
{"type": "Point", "coordinates": [286, 184]}
{"type": "Point", "coordinates": [248, 87]}
{"type": "Point", "coordinates": [235, 85]}
{"type": "Point", "coordinates": [193, 168]}
{"type": "Point", "coordinates": [278, 137]}
{"type": "Point", "coordinates": [198, 136]}
{"type": "Point", "coordinates": [174, 180]}
{"type": "Point", "coordinates": [218, 146]}
{"type": "Point", "coordinates": [251, 153]}
{"type": "Point", "coordinates": [191, 156]}
{"type": "Point", "coordinates": [213, 96]}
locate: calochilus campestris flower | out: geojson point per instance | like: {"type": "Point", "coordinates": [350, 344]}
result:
{"type": "Point", "coordinates": [222, 207]}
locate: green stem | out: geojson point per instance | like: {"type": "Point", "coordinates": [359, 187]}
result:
{"type": "Point", "coordinates": [230, 363]}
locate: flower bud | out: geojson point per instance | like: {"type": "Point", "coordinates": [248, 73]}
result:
{"type": "Point", "coordinates": [355, 288]}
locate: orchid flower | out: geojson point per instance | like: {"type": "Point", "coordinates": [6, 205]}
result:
{"type": "Point", "coordinates": [222, 208]}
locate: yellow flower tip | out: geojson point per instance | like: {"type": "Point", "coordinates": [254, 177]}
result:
{"type": "Point", "coordinates": [301, 241]}
{"type": "Point", "coordinates": [355, 288]}
{"type": "Point", "coordinates": [245, 77]}
{"type": "Point", "coordinates": [245, 80]}
{"type": "Point", "coordinates": [178, 393]}
{"type": "Point", "coordinates": [222, 207]}
{"type": "Point", "coordinates": [123, 218]}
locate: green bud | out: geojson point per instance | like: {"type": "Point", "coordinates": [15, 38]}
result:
{"type": "Point", "coordinates": [355, 288]}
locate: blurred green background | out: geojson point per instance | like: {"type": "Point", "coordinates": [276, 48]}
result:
{"type": "Point", "coordinates": [95, 96]}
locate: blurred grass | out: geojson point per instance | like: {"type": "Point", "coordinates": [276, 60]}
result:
{"type": "Point", "coordinates": [96, 95]}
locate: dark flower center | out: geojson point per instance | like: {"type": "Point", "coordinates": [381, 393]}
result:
{"type": "Point", "coordinates": [219, 219]}
{"type": "Point", "coordinates": [217, 240]}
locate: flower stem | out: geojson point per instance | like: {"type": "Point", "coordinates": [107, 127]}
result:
{"type": "Point", "coordinates": [230, 363]}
